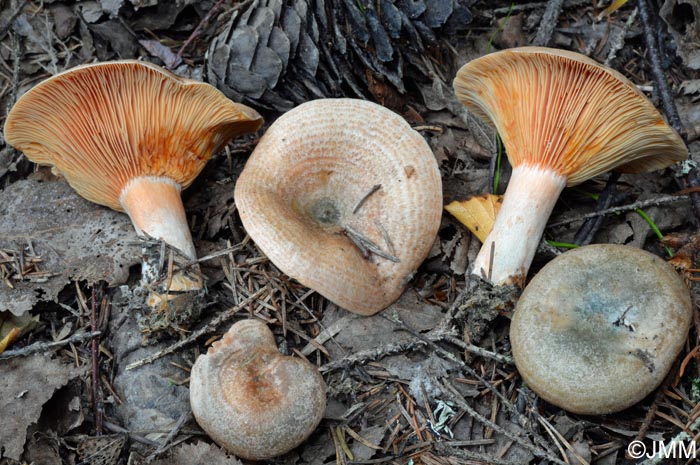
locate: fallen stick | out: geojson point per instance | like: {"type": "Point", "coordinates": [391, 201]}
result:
{"type": "Point", "coordinates": [208, 328]}
{"type": "Point", "coordinates": [655, 202]}
{"type": "Point", "coordinates": [45, 346]}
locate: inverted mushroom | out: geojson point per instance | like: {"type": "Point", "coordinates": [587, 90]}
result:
{"type": "Point", "coordinates": [345, 197]}
{"type": "Point", "coordinates": [599, 327]}
{"type": "Point", "coordinates": [563, 119]}
{"type": "Point", "coordinates": [130, 135]}
{"type": "Point", "coordinates": [251, 399]}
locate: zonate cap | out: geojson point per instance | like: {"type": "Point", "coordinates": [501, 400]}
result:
{"type": "Point", "coordinates": [104, 124]}
{"type": "Point", "coordinates": [252, 400]}
{"type": "Point", "coordinates": [599, 327]}
{"type": "Point", "coordinates": [330, 174]}
{"type": "Point", "coordinates": [564, 112]}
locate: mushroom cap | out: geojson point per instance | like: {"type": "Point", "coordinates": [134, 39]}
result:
{"type": "Point", "coordinates": [252, 400]}
{"type": "Point", "coordinates": [103, 124]}
{"type": "Point", "coordinates": [298, 191]}
{"type": "Point", "coordinates": [598, 328]}
{"type": "Point", "coordinates": [572, 115]}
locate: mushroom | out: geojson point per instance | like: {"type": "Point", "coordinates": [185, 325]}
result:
{"type": "Point", "coordinates": [563, 119]}
{"type": "Point", "coordinates": [598, 328]}
{"type": "Point", "coordinates": [345, 197]}
{"type": "Point", "coordinates": [130, 135]}
{"type": "Point", "coordinates": [252, 400]}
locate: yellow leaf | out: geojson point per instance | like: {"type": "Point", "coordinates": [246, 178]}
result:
{"type": "Point", "coordinates": [13, 327]}
{"type": "Point", "coordinates": [477, 213]}
{"type": "Point", "coordinates": [9, 339]}
{"type": "Point", "coordinates": [614, 6]}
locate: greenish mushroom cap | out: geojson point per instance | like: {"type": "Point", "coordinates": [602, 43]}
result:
{"type": "Point", "coordinates": [598, 328]}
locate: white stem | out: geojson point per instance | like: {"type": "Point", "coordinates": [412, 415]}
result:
{"type": "Point", "coordinates": [507, 253]}
{"type": "Point", "coordinates": [155, 208]}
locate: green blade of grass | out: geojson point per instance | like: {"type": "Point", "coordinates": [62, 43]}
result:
{"type": "Point", "coordinates": [499, 28]}
{"type": "Point", "coordinates": [653, 227]}
{"type": "Point", "coordinates": [563, 245]}
{"type": "Point", "coordinates": [499, 155]}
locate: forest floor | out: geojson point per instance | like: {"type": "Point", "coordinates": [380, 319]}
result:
{"type": "Point", "coordinates": [406, 386]}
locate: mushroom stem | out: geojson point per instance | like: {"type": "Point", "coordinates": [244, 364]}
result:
{"type": "Point", "coordinates": [529, 200]}
{"type": "Point", "coordinates": [155, 208]}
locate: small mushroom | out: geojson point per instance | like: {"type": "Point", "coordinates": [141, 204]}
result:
{"type": "Point", "coordinates": [130, 135]}
{"type": "Point", "coordinates": [252, 400]}
{"type": "Point", "coordinates": [345, 197]}
{"type": "Point", "coordinates": [599, 327]}
{"type": "Point", "coordinates": [563, 119]}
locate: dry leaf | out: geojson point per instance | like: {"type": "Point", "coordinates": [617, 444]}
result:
{"type": "Point", "coordinates": [683, 20]}
{"type": "Point", "coordinates": [197, 454]}
{"type": "Point", "coordinates": [101, 450]}
{"type": "Point", "coordinates": [25, 386]}
{"type": "Point", "coordinates": [353, 333]}
{"type": "Point", "coordinates": [477, 213]}
{"type": "Point", "coordinates": [73, 239]}
{"type": "Point", "coordinates": [155, 48]}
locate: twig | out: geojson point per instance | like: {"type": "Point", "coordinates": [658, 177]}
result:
{"type": "Point", "coordinates": [590, 227]}
{"type": "Point", "coordinates": [12, 18]}
{"type": "Point", "coordinates": [208, 328]}
{"type": "Point", "coordinates": [516, 8]}
{"type": "Point", "coordinates": [429, 128]}
{"type": "Point", "coordinates": [548, 23]}
{"type": "Point", "coordinates": [656, 71]}
{"type": "Point", "coordinates": [522, 420]}
{"type": "Point", "coordinates": [385, 235]}
{"type": "Point", "coordinates": [213, 255]}
{"type": "Point", "coordinates": [481, 352]}
{"type": "Point", "coordinates": [464, 405]}
{"type": "Point", "coordinates": [184, 418]}
{"type": "Point", "coordinates": [618, 40]}
{"type": "Point", "coordinates": [651, 412]}
{"type": "Point", "coordinates": [45, 346]}
{"type": "Point", "coordinates": [365, 245]}
{"type": "Point", "coordinates": [655, 202]}
{"type": "Point", "coordinates": [119, 430]}
{"type": "Point", "coordinates": [364, 198]}
{"type": "Point", "coordinates": [666, 99]}
{"type": "Point", "coordinates": [95, 352]}
{"type": "Point", "coordinates": [197, 29]}
{"type": "Point", "coordinates": [385, 350]}
{"type": "Point", "coordinates": [444, 448]}
{"type": "Point", "coordinates": [16, 69]}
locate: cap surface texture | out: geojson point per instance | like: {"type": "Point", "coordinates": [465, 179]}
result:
{"type": "Point", "coordinates": [598, 328]}
{"type": "Point", "coordinates": [332, 173]}
{"type": "Point", "coordinates": [252, 400]}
